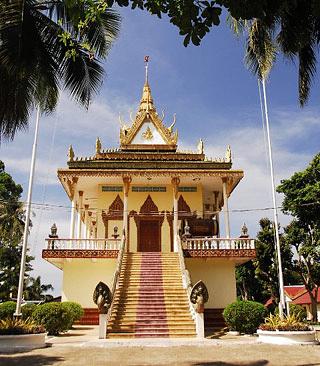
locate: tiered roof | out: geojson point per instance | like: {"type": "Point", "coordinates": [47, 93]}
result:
{"type": "Point", "coordinates": [148, 144]}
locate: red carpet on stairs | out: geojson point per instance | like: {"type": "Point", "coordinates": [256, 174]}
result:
{"type": "Point", "coordinates": [151, 283]}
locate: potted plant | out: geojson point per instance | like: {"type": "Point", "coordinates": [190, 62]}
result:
{"type": "Point", "coordinates": [290, 330]}
{"type": "Point", "coordinates": [18, 333]}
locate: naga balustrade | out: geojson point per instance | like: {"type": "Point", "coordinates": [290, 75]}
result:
{"type": "Point", "coordinates": [187, 285]}
{"type": "Point", "coordinates": [83, 244]}
{"type": "Point", "coordinates": [217, 244]}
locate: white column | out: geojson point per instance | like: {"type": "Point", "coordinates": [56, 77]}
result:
{"type": "Point", "coordinates": [175, 182]}
{"type": "Point", "coordinates": [89, 225]}
{"type": "Point", "coordinates": [85, 222]}
{"type": "Point", "coordinates": [72, 218]}
{"type": "Point", "coordinates": [126, 186]}
{"type": "Point", "coordinates": [225, 207]}
{"type": "Point", "coordinates": [79, 214]}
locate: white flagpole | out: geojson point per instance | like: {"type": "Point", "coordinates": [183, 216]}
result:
{"type": "Point", "coordinates": [275, 211]}
{"type": "Point", "coordinates": [27, 220]}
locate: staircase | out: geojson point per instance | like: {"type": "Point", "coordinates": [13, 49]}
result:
{"type": "Point", "coordinates": [150, 300]}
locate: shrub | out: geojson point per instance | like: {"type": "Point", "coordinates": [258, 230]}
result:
{"type": "Point", "coordinates": [74, 309]}
{"type": "Point", "coordinates": [288, 323]}
{"type": "Point", "coordinates": [7, 309]}
{"type": "Point", "coordinates": [27, 310]}
{"type": "Point", "coordinates": [244, 316]}
{"type": "Point", "coordinates": [12, 326]}
{"type": "Point", "coordinates": [297, 310]}
{"type": "Point", "coordinates": [53, 316]}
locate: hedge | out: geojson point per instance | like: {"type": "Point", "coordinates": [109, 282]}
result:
{"type": "Point", "coordinates": [7, 309]}
{"type": "Point", "coordinates": [244, 316]}
{"type": "Point", "coordinates": [75, 310]}
{"type": "Point", "coordinates": [53, 316]}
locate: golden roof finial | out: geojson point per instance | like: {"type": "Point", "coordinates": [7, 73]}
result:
{"type": "Point", "coordinates": [200, 147]}
{"type": "Point", "coordinates": [146, 103]}
{"type": "Point", "coordinates": [98, 146]}
{"type": "Point", "coordinates": [228, 154]}
{"type": "Point", "coordinates": [71, 153]}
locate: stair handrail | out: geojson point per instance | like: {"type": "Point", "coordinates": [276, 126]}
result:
{"type": "Point", "coordinates": [187, 284]}
{"type": "Point", "coordinates": [116, 275]}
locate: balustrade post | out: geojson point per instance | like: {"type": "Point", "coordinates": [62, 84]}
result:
{"type": "Point", "coordinates": [126, 184]}
{"type": "Point", "coordinates": [79, 213]}
{"type": "Point", "coordinates": [226, 207]}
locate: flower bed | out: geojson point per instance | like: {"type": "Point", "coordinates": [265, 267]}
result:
{"type": "Point", "coordinates": [287, 337]}
{"type": "Point", "coordinates": [18, 334]}
{"type": "Point", "coordinates": [289, 330]}
{"type": "Point", "coordinates": [22, 341]}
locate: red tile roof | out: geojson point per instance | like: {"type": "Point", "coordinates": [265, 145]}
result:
{"type": "Point", "coordinates": [304, 298]}
{"type": "Point", "coordinates": [293, 291]}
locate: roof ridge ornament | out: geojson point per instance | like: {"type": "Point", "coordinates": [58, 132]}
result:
{"type": "Point", "coordinates": [228, 157]}
{"type": "Point", "coordinates": [146, 103]}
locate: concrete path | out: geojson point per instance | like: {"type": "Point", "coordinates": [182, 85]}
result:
{"type": "Point", "coordinates": [81, 347]}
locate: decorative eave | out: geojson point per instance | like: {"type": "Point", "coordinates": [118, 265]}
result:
{"type": "Point", "coordinates": [68, 175]}
{"type": "Point", "coordinates": [149, 165]}
{"type": "Point", "coordinates": [153, 154]}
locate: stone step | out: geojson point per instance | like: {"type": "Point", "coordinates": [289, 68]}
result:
{"type": "Point", "coordinates": [147, 300]}
{"type": "Point", "coordinates": [156, 330]}
{"type": "Point", "coordinates": [149, 292]}
{"type": "Point", "coordinates": [151, 317]}
{"type": "Point", "coordinates": [152, 335]}
{"type": "Point", "coordinates": [150, 308]}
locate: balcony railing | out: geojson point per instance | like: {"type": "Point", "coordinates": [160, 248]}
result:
{"type": "Point", "coordinates": [83, 244]}
{"type": "Point", "coordinates": [217, 244]}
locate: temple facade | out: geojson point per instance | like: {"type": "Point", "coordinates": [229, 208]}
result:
{"type": "Point", "coordinates": [145, 220]}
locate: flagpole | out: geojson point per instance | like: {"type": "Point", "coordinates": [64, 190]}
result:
{"type": "Point", "coordinates": [275, 211]}
{"type": "Point", "coordinates": [27, 219]}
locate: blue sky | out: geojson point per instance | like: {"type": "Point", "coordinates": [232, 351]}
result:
{"type": "Point", "coordinates": [214, 97]}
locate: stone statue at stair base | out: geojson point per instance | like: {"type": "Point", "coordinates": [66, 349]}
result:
{"type": "Point", "coordinates": [102, 297]}
{"type": "Point", "coordinates": [198, 297]}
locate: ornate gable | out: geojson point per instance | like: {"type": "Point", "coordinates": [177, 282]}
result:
{"type": "Point", "coordinates": [183, 207]}
{"type": "Point", "coordinates": [116, 207]}
{"type": "Point", "coordinates": [148, 131]}
{"type": "Point", "coordinates": [149, 206]}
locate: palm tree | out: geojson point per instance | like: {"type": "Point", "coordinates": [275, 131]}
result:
{"type": "Point", "coordinates": [35, 290]}
{"type": "Point", "coordinates": [47, 46]}
{"type": "Point", "coordinates": [294, 30]}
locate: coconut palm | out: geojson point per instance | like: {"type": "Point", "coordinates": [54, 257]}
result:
{"type": "Point", "coordinates": [35, 290]}
{"type": "Point", "coordinates": [47, 46]}
{"type": "Point", "coordinates": [294, 31]}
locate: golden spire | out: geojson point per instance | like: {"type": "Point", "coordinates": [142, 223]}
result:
{"type": "Point", "coordinates": [146, 103]}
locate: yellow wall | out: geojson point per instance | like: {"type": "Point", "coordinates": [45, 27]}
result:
{"type": "Point", "coordinates": [164, 202]}
{"type": "Point", "coordinates": [81, 276]}
{"type": "Point", "coordinates": [218, 276]}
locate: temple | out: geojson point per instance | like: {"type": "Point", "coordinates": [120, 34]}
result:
{"type": "Point", "coordinates": [145, 221]}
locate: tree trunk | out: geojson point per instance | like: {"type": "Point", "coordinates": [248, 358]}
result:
{"type": "Point", "coordinates": [314, 305]}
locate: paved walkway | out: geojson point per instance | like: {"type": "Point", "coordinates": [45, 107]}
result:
{"type": "Point", "coordinates": [82, 348]}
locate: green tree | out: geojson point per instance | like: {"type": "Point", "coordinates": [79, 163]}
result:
{"type": "Point", "coordinates": [35, 290]}
{"type": "Point", "coordinates": [258, 280]}
{"type": "Point", "coordinates": [47, 46]}
{"type": "Point", "coordinates": [302, 201]}
{"type": "Point", "coordinates": [11, 233]}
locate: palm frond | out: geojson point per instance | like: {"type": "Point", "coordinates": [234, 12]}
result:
{"type": "Point", "coordinates": [35, 64]}
{"type": "Point", "coordinates": [82, 77]}
{"type": "Point", "coordinates": [307, 71]}
{"type": "Point", "coordinates": [261, 49]}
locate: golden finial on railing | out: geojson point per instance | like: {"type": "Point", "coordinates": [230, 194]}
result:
{"type": "Point", "coordinates": [98, 146]}
{"type": "Point", "coordinates": [71, 153]}
{"type": "Point", "coordinates": [200, 147]}
{"type": "Point", "coordinates": [228, 154]}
